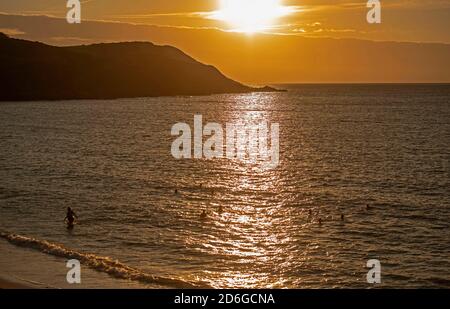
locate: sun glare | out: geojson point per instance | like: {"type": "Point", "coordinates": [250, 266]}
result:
{"type": "Point", "coordinates": [251, 15]}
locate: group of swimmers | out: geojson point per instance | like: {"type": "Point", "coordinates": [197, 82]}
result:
{"type": "Point", "coordinates": [71, 215]}
{"type": "Point", "coordinates": [204, 213]}
{"type": "Point", "coordinates": [319, 221]}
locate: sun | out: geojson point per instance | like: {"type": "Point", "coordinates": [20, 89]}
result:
{"type": "Point", "coordinates": [251, 16]}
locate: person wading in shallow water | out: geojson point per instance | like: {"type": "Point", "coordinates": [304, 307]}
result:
{"type": "Point", "coordinates": [70, 218]}
{"type": "Point", "coordinates": [204, 215]}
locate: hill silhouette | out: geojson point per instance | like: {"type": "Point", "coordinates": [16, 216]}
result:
{"type": "Point", "coordinates": [36, 71]}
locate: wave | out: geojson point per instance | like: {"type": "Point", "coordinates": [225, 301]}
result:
{"type": "Point", "coordinates": [107, 265]}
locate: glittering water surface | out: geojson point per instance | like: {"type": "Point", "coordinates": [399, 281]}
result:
{"type": "Point", "coordinates": [341, 148]}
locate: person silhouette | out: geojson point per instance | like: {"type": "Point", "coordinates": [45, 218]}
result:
{"type": "Point", "coordinates": [203, 215]}
{"type": "Point", "coordinates": [70, 217]}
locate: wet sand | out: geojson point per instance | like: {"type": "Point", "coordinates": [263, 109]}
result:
{"type": "Point", "coordinates": [8, 284]}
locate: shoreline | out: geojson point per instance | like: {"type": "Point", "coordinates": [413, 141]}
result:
{"type": "Point", "coordinates": [7, 283]}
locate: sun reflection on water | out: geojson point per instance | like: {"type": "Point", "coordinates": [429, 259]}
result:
{"type": "Point", "coordinates": [251, 228]}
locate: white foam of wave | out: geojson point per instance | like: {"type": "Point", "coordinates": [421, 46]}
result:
{"type": "Point", "coordinates": [103, 264]}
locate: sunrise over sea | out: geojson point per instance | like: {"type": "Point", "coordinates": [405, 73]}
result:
{"type": "Point", "coordinates": [224, 144]}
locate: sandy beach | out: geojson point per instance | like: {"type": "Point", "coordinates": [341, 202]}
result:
{"type": "Point", "coordinates": [8, 284]}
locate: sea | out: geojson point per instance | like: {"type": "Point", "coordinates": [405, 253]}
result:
{"type": "Point", "coordinates": [363, 176]}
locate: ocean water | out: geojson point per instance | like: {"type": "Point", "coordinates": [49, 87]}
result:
{"type": "Point", "coordinates": [342, 147]}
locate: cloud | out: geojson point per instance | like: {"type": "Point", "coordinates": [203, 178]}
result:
{"type": "Point", "coordinates": [183, 14]}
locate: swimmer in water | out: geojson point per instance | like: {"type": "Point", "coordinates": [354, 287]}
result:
{"type": "Point", "coordinates": [342, 217]}
{"type": "Point", "coordinates": [70, 217]}
{"type": "Point", "coordinates": [220, 210]}
{"type": "Point", "coordinates": [176, 191]}
{"type": "Point", "coordinates": [320, 221]}
{"type": "Point", "coordinates": [203, 215]}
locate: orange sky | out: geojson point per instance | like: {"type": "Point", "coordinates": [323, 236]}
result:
{"type": "Point", "coordinates": [299, 47]}
{"type": "Point", "coordinates": [403, 20]}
